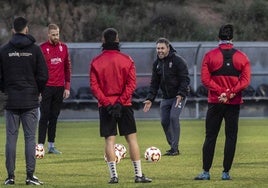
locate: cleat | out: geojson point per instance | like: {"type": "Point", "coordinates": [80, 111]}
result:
{"type": "Point", "coordinates": [169, 150]}
{"type": "Point", "coordinates": [172, 152]}
{"type": "Point", "coordinates": [142, 179]}
{"type": "Point", "coordinates": [113, 180]}
{"type": "Point", "coordinates": [53, 150]}
{"type": "Point", "coordinates": [225, 176]}
{"type": "Point", "coordinates": [203, 176]}
{"type": "Point", "coordinates": [10, 180]}
{"type": "Point", "coordinates": [33, 181]}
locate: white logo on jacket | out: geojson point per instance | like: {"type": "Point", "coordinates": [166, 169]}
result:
{"type": "Point", "coordinates": [55, 60]}
{"type": "Point", "coordinates": [19, 54]}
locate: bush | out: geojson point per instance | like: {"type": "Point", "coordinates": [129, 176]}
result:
{"type": "Point", "coordinates": [248, 20]}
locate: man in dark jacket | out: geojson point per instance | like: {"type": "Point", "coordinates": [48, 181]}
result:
{"type": "Point", "coordinates": [23, 75]}
{"type": "Point", "coordinates": [170, 74]}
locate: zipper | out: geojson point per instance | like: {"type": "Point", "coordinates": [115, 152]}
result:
{"type": "Point", "coordinates": [164, 78]}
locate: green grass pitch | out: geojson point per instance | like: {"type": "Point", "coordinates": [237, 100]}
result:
{"type": "Point", "coordinates": [82, 164]}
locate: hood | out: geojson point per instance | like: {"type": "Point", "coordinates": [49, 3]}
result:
{"type": "Point", "coordinates": [111, 46]}
{"type": "Point", "coordinates": [172, 50]}
{"type": "Point", "coordinates": [21, 40]}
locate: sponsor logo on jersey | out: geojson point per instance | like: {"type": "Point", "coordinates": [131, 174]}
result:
{"type": "Point", "coordinates": [56, 60]}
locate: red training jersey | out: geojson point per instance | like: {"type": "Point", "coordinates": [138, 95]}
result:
{"type": "Point", "coordinates": [113, 78]}
{"type": "Point", "coordinates": [217, 84]}
{"type": "Point", "coordinates": [58, 63]}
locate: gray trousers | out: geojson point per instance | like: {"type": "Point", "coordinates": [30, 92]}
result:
{"type": "Point", "coordinates": [170, 121]}
{"type": "Point", "coordinates": [29, 120]}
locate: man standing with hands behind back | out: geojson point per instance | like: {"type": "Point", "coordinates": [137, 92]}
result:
{"type": "Point", "coordinates": [57, 88]}
{"type": "Point", "coordinates": [113, 81]}
{"type": "Point", "coordinates": [225, 71]}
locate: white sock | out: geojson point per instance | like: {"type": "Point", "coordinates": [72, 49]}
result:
{"type": "Point", "coordinates": [112, 169]}
{"type": "Point", "coordinates": [137, 168]}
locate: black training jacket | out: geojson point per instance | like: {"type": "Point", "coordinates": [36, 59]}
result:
{"type": "Point", "coordinates": [170, 75]}
{"type": "Point", "coordinates": [23, 72]}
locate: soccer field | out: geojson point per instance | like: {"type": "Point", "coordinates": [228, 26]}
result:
{"type": "Point", "coordinates": [82, 164]}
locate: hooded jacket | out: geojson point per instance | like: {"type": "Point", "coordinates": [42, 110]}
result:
{"type": "Point", "coordinates": [171, 75]}
{"type": "Point", "coordinates": [23, 72]}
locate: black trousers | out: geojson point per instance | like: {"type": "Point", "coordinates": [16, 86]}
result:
{"type": "Point", "coordinates": [52, 98]}
{"type": "Point", "coordinates": [215, 114]}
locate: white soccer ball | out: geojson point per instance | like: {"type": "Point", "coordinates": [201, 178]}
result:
{"type": "Point", "coordinates": [120, 152]}
{"type": "Point", "coordinates": [39, 151]}
{"type": "Point", "coordinates": [117, 157]}
{"type": "Point", "coordinates": [121, 149]}
{"type": "Point", "coordinates": [152, 154]}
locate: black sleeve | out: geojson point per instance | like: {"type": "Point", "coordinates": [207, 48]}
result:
{"type": "Point", "coordinates": [184, 78]}
{"type": "Point", "coordinates": [2, 85]}
{"type": "Point", "coordinates": [41, 70]}
{"type": "Point", "coordinates": [155, 82]}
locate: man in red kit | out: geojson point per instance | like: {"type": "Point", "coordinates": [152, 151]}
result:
{"type": "Point", "coordinates": [113, 81]}
{"type": "Point", "coordinates": [226, 73]}
{"type": "Point", "coordinates": [57, 87]}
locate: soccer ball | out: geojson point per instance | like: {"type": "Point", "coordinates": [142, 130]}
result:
{"type": "Point", "coordinates": [120, 152]}
{"type": "Point", "coordinates": [152, 154]}
{"type": "Point", "coordinates": [117, 157]}
{"type": "Point", "coordinates": [121, 149]}
{"type": "Point", "coordinates": [39, 151]}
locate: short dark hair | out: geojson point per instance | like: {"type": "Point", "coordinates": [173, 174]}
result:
{"type": "Point", "coordinates": [163, 40]}
{"type": "Point", "coordinates": [226, 32]}
{"type": "Point", "coordinates": [19, 24]}
{"type": "Point", "coordinates": [109, 35]}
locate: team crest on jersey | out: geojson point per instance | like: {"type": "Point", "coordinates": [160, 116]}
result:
{"type": "Point", "coordinates": [170, 64]}
{"type": "Point", "coordinates": [48, 50]}
{"type": "Point", "coordinates": [60, 48]}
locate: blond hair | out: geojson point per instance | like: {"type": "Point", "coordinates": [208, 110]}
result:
{"type": "Point", "coordinates": [52, 27]}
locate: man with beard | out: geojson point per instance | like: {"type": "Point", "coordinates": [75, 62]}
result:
{"type": "Point", "coordinates": [170, 74]}
{"type": "Point", "coordinates": [57, 88]}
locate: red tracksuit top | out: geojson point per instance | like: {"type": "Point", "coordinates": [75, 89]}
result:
{"type": "Point", "coordinates": [217, 84]}
{"type": "Point", "coordinates": [58, 63]}
{"type": "Point", "coordinates": [113, 78]}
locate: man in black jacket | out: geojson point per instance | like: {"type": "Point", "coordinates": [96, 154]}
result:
{"type": "Point", "coordinates": [170, 74]}
{"type": "Point", "coordinates": [23, 75]}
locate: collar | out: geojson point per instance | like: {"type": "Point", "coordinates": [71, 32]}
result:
{"type": "Point", "coordinates": [111, 46]}
{"type": "Point", "coordinates": [225, 42]}
{"type": "Point", "coordinates": [226, 45]}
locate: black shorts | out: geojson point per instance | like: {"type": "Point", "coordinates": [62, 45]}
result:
{"type": "Point", "coordinates": [108, 124]}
